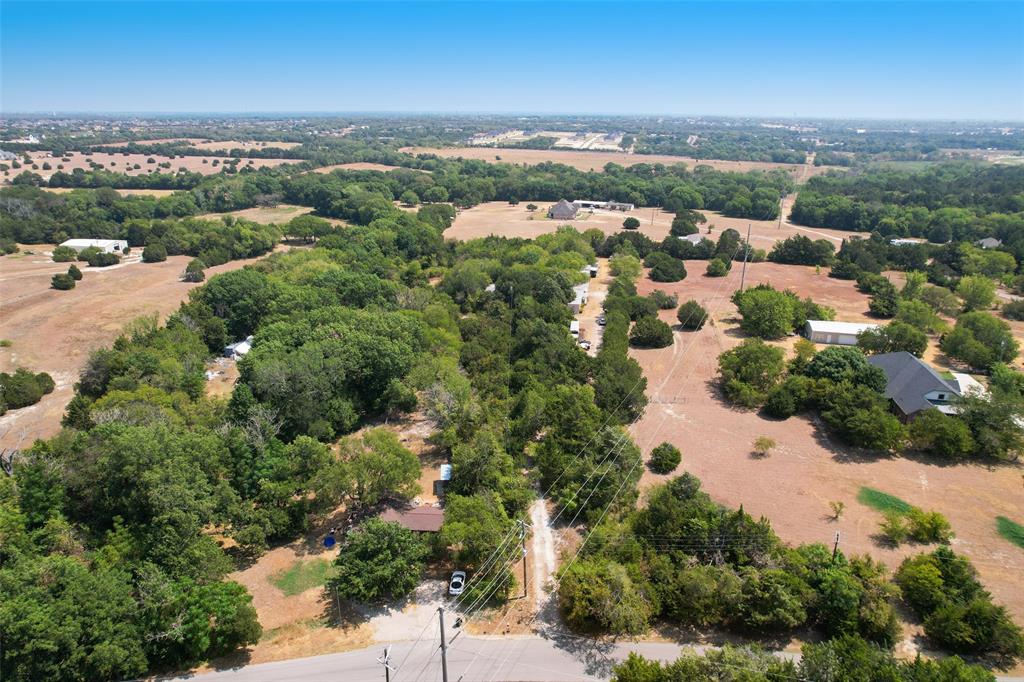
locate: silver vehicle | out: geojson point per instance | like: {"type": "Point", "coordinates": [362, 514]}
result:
{"type": "Point", "coordinates": [457, 584]}
{"type": "Point", "coordinates": [601, 320]}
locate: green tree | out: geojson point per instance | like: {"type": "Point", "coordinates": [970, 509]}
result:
{"type": "Point", "coordinates": [380, 467]}
{"type": "Point", "coordinates": [664, 458]}
{"type": "Point", "coordinates": [893, 337]}
{"type": "Point", "coordinates": [665, 268]}
{"type": "Point", "coordinates": [379, 561]}
{"type": "Point", "coordinates": [64, 254]}
{"type": "Point", "coordinates": [766, 313]}
{"type": "Point", "coordinates": [475, 525]}
{"type": "Point", "coordinates": [977, 291]}
{"type": "Point", "coordinates": [650, 332]}
{"type": "Point", "coordinates": [62, 281]}
{"type": "Point", "coordinates": [631, 223]}
{"type": "Point", "coordinates": [717, 268]}
{"type": "Point", "coordinates": [941, 435]}
{"type": "Point", "coordinates": [692, 315]}
{"type": "Point", "coordinates": [74, 273]}
{"type": "Point", "coordinates": [980, 340]}
{"type": "Point", "coordinates": [409, 198]}
{"type": "Point", "coordinates": [154, 253]}
{"type": "Point", "coordinates": [750, 370]}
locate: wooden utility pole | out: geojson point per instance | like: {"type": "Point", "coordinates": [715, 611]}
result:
{"type": "Point", "coordinates": [444, 646]}
{"type": "Point", "coordinates": [835, 548]}
{"type": "Point", "coordinates": [746, 252]}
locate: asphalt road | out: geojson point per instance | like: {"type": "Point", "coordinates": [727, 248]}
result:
{"type": "Point", "coordinates": [526, 659]}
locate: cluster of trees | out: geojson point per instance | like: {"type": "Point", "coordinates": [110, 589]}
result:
{"type": "Point", "coordinates": [772, 314]}
{"type": "Point", "coordinates": [955, 201]}
{"type": "Point", "coordinates": [22, 388]}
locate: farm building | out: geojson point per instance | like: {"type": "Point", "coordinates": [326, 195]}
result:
{"type": "Point", "coordinates": [422, 519]}
{"type": "Point", "coordinates": [913, 386]}
{"type": "Point", "coordinates": [563, 210]}
{"type": "Point", "coordinates": [694, 239]}
{"type": "Point", "coordinates": [608, 205]}
{"type": "Point", "coordinates": [106, 245]}
{"type": "Point", "coordinates": [580, 299]}
{"type": "Point", "coordinates": [840, 333]}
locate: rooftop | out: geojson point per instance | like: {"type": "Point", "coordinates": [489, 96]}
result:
{"type": "Point", "coordinates": [909, 379]}
{"type": "Point", "coordinates": [423, 519]}
{"type": "Point", "coordinates": [833, 327]}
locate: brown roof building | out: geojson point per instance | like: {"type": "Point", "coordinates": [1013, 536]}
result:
{"type": "Point", "coordinates": [424, 519]}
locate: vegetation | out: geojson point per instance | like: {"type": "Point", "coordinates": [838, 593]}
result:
{"type": "Point", "coordinates": [23, 388]}
{"type": "Point", "coordinates": [302, 576]}
{"type": "Point", "coordinates": [665, 458]}
{"type": "Point", "coordinates": [379, 560]}
{"type": "Point", "coordinates": [650, 332]}
{"type": "Point", "coordinates": [1010, 530]}
{"type": "Point", "coordinates": [62, 281]}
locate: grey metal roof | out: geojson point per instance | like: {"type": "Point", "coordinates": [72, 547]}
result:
{"type": "Point", "coordinates": [563, 209]}
{"type": "Point", "coordinates": [908, 379]}
{"type": "Point", "coordinates": [989, 243]}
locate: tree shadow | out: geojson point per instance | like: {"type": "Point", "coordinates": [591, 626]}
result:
{"type": "Point", "coordinates": [594, 653]}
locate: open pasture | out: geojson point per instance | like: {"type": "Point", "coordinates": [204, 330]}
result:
{"type": "Point", "coordinates": [808, 469]}
{"type": "Point", "coordinates": [595, 161]}
{"type": "Point", "coordinates": [358, 165]}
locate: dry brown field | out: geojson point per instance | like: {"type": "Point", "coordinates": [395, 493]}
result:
{"type": "Point", "coordinates": [359, 165]}
{"type": "Point", "coordinates": [595, 161]}
{"type": "Point", "coordinates": [122, 192]}
{"type": "Point", "coordinates": [124, 163]}
{"type": "Point", "coordinates": [500, 218]}
{"type": "Point", "coordinates": [267, 215]}
{"type": "Point", "coordinates": [794, 485]}
{"type": "Point", "coordinates": [208, 145]}
{"type": "Point", "coordinates": [55, 331]}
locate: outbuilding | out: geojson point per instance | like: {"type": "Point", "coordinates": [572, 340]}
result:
{"type": "Point", "coordinates": [580, 293]}
{"type": "Point", "coordinates": [105, 245]}
{"type": "Point", "coordinates": [839, 333]}
{"type": "Point", "coordinates": [422, 519]}
{"type": "Point", "coordinates": [563, 210]}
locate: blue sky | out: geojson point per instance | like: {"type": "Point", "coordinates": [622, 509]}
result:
{"type": "Point", "coordinates": [838, 59]}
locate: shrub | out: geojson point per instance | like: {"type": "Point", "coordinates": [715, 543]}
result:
{"type": "Point", "coordinates": [62, 281]}
{"type": "Point", "coordinates": [665, 458]}
{"type": "Point", "coordinates": [692, 315]}
{"type": "Point", "coordinates": [663, 300]}
{"type": "Point", "coordinates": [64, 254]}
{"type": "Point", "coordinates": [665, 268]}
{"type": "Point", "coordinates": [942, 435]}
{"type": "Point", "coordinates": [1014, 310]}
{"type": "Point", "coordinates": [74, 273]}
{"type": "Point", "coordinates": [194, 271]}
{"type": "Point", "coordinates": [102, 259]}
{"type": "Point", "coordinates": [23, 388]}
{"type": "Point", "coordinates": [717, 268]}
{"type": "Point", "coordinates": [928, 527]}
{"type": "Point", "coordinates": [763, 445]}
{"type": "Point", "coordinates": [154, 253]}
{"type": "Point", "coordinates": [87, 253]}
{"type": "Point", "coordinates": [631, 223]}
{"type": "Point", "coordinates": [894, 527]}
{"type": "Point", "coordinates": [650, 332]}
{"type": "Point", "coordinates": [379, 560]}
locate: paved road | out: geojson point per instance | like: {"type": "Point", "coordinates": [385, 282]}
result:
{"type": "Point", "coordinates": [522, 659]}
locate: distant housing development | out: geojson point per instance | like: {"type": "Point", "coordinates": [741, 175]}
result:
{"type": "Point", "coordinates": [839, 333]}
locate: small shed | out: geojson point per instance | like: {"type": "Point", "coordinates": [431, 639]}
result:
{"type": "Point", "coordinates": [840, 333]}
{"type": "Point", "coordinates": [563, 210]}
{"type": "Point", "coordinates": [423, 519]}
{"type": "Point", "coordinates": [238, 348]}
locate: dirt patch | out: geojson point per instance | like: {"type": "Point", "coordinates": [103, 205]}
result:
{"type": "Point", "coordinates": [360, 165]}
{"type": "Point", "coordinates": [55, 331]}
{"type": "Point", "coordinates": [595, 161]}
{"type": "Point", "coordinates": [794, 484]}
{"type": "Point", "coordinates": [502, 219]}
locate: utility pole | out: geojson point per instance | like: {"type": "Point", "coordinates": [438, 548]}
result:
{"type": "Point", "coordinates": [385, 660]}
{"type": "Point", "coordinates": [444, 646]}
{"type": "Point", "coordinates": [746, 252]}
{"type": "Point", "coordinates": [835, 548]}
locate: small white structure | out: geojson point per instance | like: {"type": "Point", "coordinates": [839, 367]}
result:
{"type": "Point", "coordinates": [590, 270]}
{"type": "Point", "coordinates": [574, 329]}
{"type": "Point", "coordinates": [989, 243]}
{"type": "Point", "coordinates": [901, 241]}
{"type": "Point", "coordinates": [106, 245]}
{"type": "Point", "coordinates": [694, 239]}
{"type": "Point", "coordinates": [840, 333]}
{"type": "Point", "coordinates": [238, 348]}
{"type": "Point", "coordinates": [580, 300]}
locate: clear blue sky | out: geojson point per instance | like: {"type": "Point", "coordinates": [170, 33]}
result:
{"type": "Point", "coordinates": [838, 59]}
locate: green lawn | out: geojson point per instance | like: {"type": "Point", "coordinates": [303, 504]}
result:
{"type": "Point", "coordinates": [1010, 530]}
{"type": "Point", "coordinates": [882, 502]}
{"type": "Point", "coordinates": [302, 575]}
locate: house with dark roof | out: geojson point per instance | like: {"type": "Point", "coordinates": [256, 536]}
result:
{"type": "Point", "coordinates": [912, 386]}
{"type": "Point", "coordinates": [563, 210]}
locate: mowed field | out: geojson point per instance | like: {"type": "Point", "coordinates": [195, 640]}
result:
{"type": "Point", "coordinates": [596, 161]}
{"type": "Point", "coordinates": [209, 145]}
{"type": "Point", "coordinates": [503, 219]}
{"type": "Point", "coordinates": [55, 331]}
{"type": "Point", "coordinates": [359, 165]}
{"type": "Point", "coordinates": [793, 486]}
{"type": "Point", "coordinates": [125, 163]}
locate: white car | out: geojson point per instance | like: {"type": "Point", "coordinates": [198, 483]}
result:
{"type": "Point", "coordinates": [585, 345]}
{"type": "Point", "coordinates": [457, 584]}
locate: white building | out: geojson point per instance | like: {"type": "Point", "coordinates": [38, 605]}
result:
{"type": "Point", "coordinates": [586, 204]}
{"type": "Point", "coordinates": [238, 348]}
{"type": "Point", "coordinates": [840, 333]}
{"type": "Point", "coordinates": [106, 245]}
{"type": "Point", "coordinates": [580, 300]}
{"type": "Point", "coordinates": [574, 329]}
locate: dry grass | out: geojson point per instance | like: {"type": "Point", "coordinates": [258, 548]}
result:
{"type": "Point", "coordinates": [359, 165]}
{"type": "Point", "coordinates": [586, 161]}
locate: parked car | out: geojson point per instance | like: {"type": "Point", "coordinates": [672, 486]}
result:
{"type": "Point", "coordinates": [585, 345]}
{"type": "Point", "coordinates": [601, 320]}
{"type": "Point", "coordinates": [457, 584]}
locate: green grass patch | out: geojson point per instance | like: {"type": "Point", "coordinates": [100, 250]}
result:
{"type": "Point", "coordinates": [302, 575]}
{"type": "Point", "coordinates": [1010, 530]}
{"type": "Point", "coordinates": [882, 502]}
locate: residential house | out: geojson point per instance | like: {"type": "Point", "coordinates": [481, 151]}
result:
{"type": "Point", "coordinates": [912, 386]}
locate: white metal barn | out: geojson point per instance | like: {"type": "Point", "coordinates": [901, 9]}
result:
{"type": "Point", "coordinates": [106, 245]}
{"type": "Point", "coordinates": [840, 333]}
